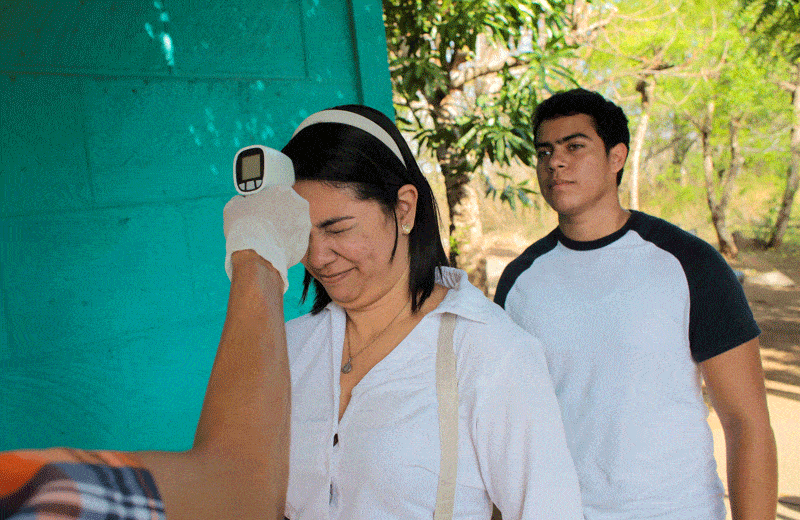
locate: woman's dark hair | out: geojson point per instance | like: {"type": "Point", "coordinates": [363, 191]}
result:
{"type": "Point", "coordinates": [349, 156]}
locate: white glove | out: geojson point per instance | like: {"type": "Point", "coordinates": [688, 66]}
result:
{"type": "Point", "coordinates": [274, 222]}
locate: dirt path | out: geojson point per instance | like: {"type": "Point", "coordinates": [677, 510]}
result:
{"type": "Point", "coordinates": [777, 310]}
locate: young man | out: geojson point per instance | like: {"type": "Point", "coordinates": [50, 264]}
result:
{"type": "Point", "coordinates": [630, 309]}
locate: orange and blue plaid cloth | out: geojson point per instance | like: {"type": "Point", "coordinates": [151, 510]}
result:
{"type": "Point", "coordinates": [69, 484]}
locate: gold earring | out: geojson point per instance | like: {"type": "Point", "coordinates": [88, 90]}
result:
{"type": "Point", "coordinates": [406, 228]}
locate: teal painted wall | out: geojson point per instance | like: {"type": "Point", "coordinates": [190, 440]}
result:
{"type": "Point", "coordinates": [118, 126]}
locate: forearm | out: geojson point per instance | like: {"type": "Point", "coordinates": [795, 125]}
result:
{"type": "Point", "coordinates": [735, 382]}
{"type": "Point", "coordinates": [238, 466]}
{"type": "Point", "coordinates": [248, 392]}
{"type": "Point", "coordinates": [752, 471]}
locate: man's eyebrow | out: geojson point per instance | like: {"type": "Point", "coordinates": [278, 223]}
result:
{"type": "Point", "coordinates": [331, 221]}
{"type": "Point", "coordinates": [537, 144]}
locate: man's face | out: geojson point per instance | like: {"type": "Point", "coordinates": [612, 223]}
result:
{"type": "Point", "coordinates": [576, 176]}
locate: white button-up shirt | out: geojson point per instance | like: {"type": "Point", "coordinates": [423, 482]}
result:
{"type": "Point", "coordinates": [512, 449]}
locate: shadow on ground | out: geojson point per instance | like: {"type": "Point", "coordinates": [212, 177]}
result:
{"type": "Point", "coordinates": [777, 311]}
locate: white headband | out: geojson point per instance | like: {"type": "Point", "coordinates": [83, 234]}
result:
{"type": "Point", "coordinates": [356, 120]}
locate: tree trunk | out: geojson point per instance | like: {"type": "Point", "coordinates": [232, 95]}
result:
{"type": "Point", "coordinates": [646, 88]}
{"type": "Point", "coordinates": [718, 208]}
{"type": "Point", "coordinates": [727, 245]}
{"type": "Point", "coordinates": [680, 148]}
{"type": "Point", "coordinates": [793, 175]}
{"type": "Point", "coordinates": [466, 229]}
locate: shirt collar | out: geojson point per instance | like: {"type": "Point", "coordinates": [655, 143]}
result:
{"type": "Point", "coordinates": [599, 243]}
{"type": "Point", "coordinates": [463, 299]}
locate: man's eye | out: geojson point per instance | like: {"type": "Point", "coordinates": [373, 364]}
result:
{"type": "Point", "coordinates": [542, 153]}
{"type": "Point", "coordinates": [574, 146]}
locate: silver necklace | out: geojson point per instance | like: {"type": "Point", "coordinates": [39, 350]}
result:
{"type": "Point", "coordinates": [347, 367]}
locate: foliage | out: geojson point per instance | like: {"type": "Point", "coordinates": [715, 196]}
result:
{"type": "Point", "coordinates": [468, 74]}
{"type": "Point", "coordinates": [777, 24]}
{"type": "Point", "coordinates": [696, 54]}
{"type": "Point", "coordinates": [455, 99]}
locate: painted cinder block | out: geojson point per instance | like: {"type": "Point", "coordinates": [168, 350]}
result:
{"type": "Point", "coordinates": [104, 407]}
{"type": "Point", "coordinates": [94, 274]}
{"type": "Point", "coordinates": [179, 38]}
{"type": "Point", "coordinates": [271, 31]}
{"type": "Point", "coordinates": [42, 145]}
{"type": "Point", "coordinates": [118, 126]}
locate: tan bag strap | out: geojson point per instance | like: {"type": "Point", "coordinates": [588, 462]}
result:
{"type": "Point", "coordinates": [447, 395]}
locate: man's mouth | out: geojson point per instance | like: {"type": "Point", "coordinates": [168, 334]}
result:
{"type": "Point", "coordinates": [559, 182]}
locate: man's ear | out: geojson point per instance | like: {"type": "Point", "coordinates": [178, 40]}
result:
{"type": "Point", "coordinates": [406, 209]}
{"type": "Point", "coordinates": [617, 156]}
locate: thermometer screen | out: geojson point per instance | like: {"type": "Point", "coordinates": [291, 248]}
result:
{"type": "Point", "coordinates": [251, 167]}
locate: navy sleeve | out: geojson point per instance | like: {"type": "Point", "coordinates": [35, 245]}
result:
{"type": "Point", "coordinates": [720, 317]}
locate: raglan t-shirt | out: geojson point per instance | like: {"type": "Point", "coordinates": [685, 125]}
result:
{"type": "Point", "coordinates": [624, 321]}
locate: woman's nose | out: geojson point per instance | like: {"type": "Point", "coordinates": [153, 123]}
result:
{"type": "Point", "coordinates": [319, 252]}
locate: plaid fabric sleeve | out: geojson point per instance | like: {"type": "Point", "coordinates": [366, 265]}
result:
{"type": "Point", "coordinates": [69, 484]}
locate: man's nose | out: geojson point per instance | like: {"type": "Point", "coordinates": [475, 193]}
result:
{"type": "Point", "coordinates": [557, 158]}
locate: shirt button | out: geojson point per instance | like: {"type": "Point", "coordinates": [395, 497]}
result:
{"type": "Point", "coordinates": [333, 501]}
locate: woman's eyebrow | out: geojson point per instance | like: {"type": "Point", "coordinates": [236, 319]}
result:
{"type": "Point", "coordinates": [331, 221]}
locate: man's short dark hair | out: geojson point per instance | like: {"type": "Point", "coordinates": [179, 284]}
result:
{"type": "Point", "coordinates": [608, 119]}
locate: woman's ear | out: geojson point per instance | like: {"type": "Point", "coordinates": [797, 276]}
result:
{"type": "Point", "coordinates": [406, 209]}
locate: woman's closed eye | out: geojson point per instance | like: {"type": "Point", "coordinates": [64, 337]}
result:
{"type": "Point", "coordinates": [336, 226]}
{"type": "Point", "coordinates": [337, 230]}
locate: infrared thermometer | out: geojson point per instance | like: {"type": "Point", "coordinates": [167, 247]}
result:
{"type": "Point", "coordinates": [257, 166]}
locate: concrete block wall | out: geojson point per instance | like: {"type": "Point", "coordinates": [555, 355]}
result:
{"type": "Point", "coordinates": [118, 126]}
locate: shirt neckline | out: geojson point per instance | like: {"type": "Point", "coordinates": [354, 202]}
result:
{"type": "Point", "coordinates": [590, 245]}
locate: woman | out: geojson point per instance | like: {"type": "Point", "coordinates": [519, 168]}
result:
{"type": "Point", "coordinates": [365, 422]}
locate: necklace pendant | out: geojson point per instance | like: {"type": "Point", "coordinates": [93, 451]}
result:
{"type": "Point", "coordinates": [347, 367]}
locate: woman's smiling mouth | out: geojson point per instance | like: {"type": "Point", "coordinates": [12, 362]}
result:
{"type": "Point", "coordinates": [333, 278]}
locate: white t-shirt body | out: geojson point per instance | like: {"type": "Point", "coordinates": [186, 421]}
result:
{"type": "Point", "coordinates": [624, 321]}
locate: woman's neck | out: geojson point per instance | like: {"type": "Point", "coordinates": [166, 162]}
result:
{"type": "Point", "coordinates": [370, 320]}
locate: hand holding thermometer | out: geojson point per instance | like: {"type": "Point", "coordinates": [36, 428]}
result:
{"type": "Point", "coordinates": [273, 222]}
{"type": "Point", "coordinates": [257, 166]}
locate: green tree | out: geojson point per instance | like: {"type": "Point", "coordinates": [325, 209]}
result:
{"type": "Point", "coordinates": [719, 181]}
{"type": "Point", "coordinates": [777, 25]}
{"type": "Point", "coordinates": [687, 61]}
{"type": "Point", "coordinates": [466, 76]}
{"type": "Point", "coordinates": [643, 47]}
{"type": "Point", "coordinates": [729, 107]}
{"type": "Point", "coordinates": [776, 28]}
